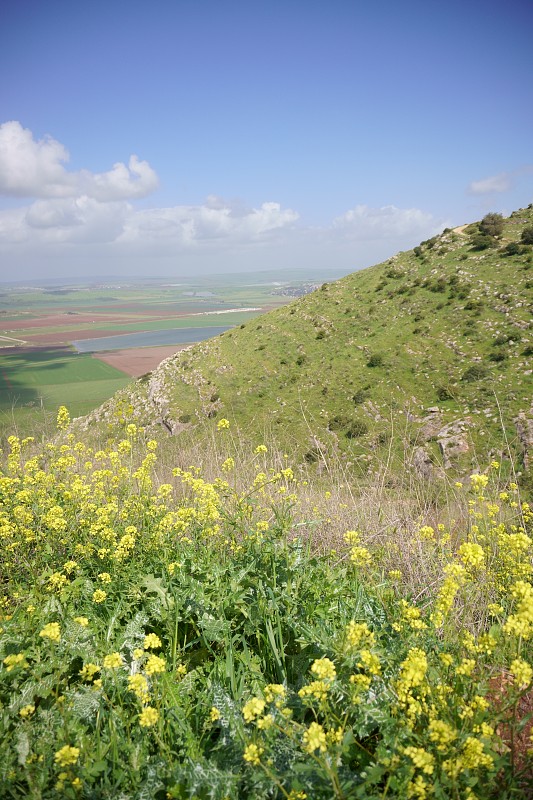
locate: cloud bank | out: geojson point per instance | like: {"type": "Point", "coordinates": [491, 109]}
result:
{"type": "Point", "coordinates": [90, 221]}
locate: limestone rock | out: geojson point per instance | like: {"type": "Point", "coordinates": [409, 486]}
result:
{"type": "Point", "coordinates": [423, 464]}
{"type": "Point", "coordinates": [524, 429]}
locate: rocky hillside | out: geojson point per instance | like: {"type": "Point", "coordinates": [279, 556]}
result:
{"type": "Point", "coordinates": [426, 357]}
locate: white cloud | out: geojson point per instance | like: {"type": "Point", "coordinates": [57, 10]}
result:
{"type": "Point", "coordinates": [209, 223]}
{"type": "Point", "coordinates": [492, 184]}
{"type": "Point", "coordinates": [75, 220]}
{"type": "Point", "coordinates": [388, 222]}
{"type": "Point", "coordinates": [30, 168]}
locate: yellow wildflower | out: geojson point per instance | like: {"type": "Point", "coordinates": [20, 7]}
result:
{"type": "Point", "coordinates": [324, 669]}
{"type": "Point", "coordinates": [252, 754]}
{"type": "Point", "coordinates": [112, 661]}
{"type": "Point", "coordinates": [314, 738]}
{"type": "Point", "coordinates": [522, 673]}
{"type": "Point", "coordinates": [152, 641]}
{"type": "Point", "coordinates": [421, 759]}
{"type": "Point", "coordinates": [154, 665]}
{"type": "Point", "coordinates": [139, 686]}
{"type": "Point", "coordinates": [148, 717]}
{"type": "Point", "coordinates": [253, 708]}
{"type": "Point", "coordinates": [51, 631]}
{"type": "Point", "coordinates": [67, 755]}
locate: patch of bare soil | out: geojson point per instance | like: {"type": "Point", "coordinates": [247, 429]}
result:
{"type": "Point", "coordinates": [68, 336]}
{"type": "Point", "coordinates": [140, 360]}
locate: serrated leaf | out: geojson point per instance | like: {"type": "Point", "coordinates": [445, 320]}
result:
{"type": "Point", "coordinates": [22, 747]}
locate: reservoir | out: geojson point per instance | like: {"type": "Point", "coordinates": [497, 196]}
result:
{"type": "Point", "coordinates": [148, 339]}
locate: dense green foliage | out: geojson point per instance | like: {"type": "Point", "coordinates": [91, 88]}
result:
{"type": "Point", "coordinates": [183, 640]}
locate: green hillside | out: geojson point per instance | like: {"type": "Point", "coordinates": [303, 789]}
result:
{"type": "Point", "coordinates": [425, 355]}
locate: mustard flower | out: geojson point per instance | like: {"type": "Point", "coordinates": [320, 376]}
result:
{"type": "Point", "coordinates": [63, 418]}
{"type": "Point", "coordinates": [154, 665]}
{"type": "Point", "coordinates": [112, 661]}
{"type": "Point", "coordinates": [521, 622]}
{"type": "Point", "coordinates": [27, 711]}
{"type": "Point", "coordinates": [99, 596]}
{"type": "Point", "coordinates": [359, 632]}
{"type": "Point", "coordinates": [214, 714]}
{"type": "Point", "coordinates": [474, 756]}
{"type": "Point", "coordinates": [139, 686]}
{"type": "Point", "coordinates": [466, 667]}
{"type": "Point", "coordinates": [223, 424]}
{"type": "Point", "coordinates": [441, 733]}
{"type": "Point", "coordinates": [105, 577]}
{"type": "Point", "coordinates": [317, 689]}
{"type": "Point", "coordinates": [88, 671]}
{"type": "Point", "coordinates": [152, 641]}
{"type": "Point", "coordinates": [471, 554]}
{"type": "Point", "coordinates": [274, 690]}
{"type": "Point", "coordinates": [252, 754]}
{"type": "Point", "coordinates": [253, 708]}
{"type": "Point", "coordinates": [15, 660]}
{"type": "Point", "coordinates": [522, 673]}
{"type": "Point", "coordinates": [148, 717]}
{"type": "Point", "coordinates": [418, 788]}
{"type": "Point", "coordinates": [478, 482]}
{"type": "Point", "coordinates": [67, 755]}
{"type": "Point", "coordinates": [395, 574]}
{"type": "Point", "coordinates": [421, 759]}
{"type": "Point", "coordinates": [264, 723]}
{"type": "Point", "coordinates": [370, 662]}
{"type": "Point", "coordinates": [51, 631]}
{"type": "Point", "coordinates": [360, 556]}
{"type": "Point", "coordinates": [314, 738]}
{"type": "Point", "coordinates": [324, 669]}
{"type": "Point", "coordinates": [352, 537]}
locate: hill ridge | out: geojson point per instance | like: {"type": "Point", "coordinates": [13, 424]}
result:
{"type": "Point", "coordinates": [434, 341]}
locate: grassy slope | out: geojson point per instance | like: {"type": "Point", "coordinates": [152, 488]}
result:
{"type": "Point", "coordinates": [426, 318]}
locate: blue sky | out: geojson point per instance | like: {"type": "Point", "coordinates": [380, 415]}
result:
{"type": "Point", "coordinates": [172, 137]}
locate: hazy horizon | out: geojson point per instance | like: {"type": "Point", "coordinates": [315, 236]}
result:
{"type": "Point", "coordinates": [196, 139]}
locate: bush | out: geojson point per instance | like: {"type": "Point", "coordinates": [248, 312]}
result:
{"type": "Point", "coordinates": [498, 356]}
{"type": "Point", "coordinates": [474, 373]}
{"type": "Point", "coordinates": [512, 249]}
{"type": "Point", "coordinates": [356, 428]}
{"type": "Point", "coordinates": [443, 394]}
{"type": "Point", "coordinates": [481, 241]}
{"type": "Point", "coordinates": [527, 235]}
{"type": "Point", "coordinates": [359, 396]}
{"type": "Point", "coordinates": [491, 224]}
{"type": "Point", "coordinates": [375, 360]}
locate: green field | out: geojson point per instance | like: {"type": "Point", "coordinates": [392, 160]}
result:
{"type": "Point", "coordinates": [45, 373]}
{"type": "Point", "coordinates": [41, 380]}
